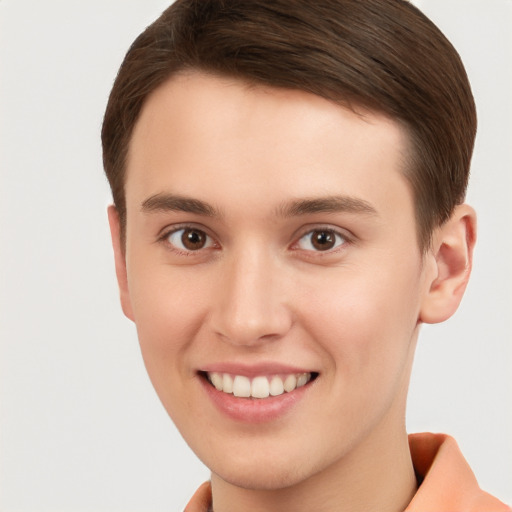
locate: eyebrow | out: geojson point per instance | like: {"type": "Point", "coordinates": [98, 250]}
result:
{"type": "Point", "coordinates": [330, 204]}
{"type": "Point", "coordinates": [163, 202]}
{"type": "Point", "coordinates": [176, 203]}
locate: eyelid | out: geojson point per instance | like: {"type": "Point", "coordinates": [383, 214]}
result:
{"type": "Point", "coordinates": [305, 230]}
{"type": "Point", "coordinates": [164, 234]}
{"type": "Point", "coordinates": [299, 234]}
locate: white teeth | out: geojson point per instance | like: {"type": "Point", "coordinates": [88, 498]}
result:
{"type": "Point", "coordinates": [302, 380]}
{"type": "Point", "coordinates": [290, 383]}
{"type": "Point", "coordinates": [227, 383]}
{"type": "Point", "coordinates": [217, 380]}
{"type": "Point", "coordinates": [276, 386]}
{"type": "Point", "coordinates": [242, 386]}
{"type": "Point", "coordinates": [260, 387]}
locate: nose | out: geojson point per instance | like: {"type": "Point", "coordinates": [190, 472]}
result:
{"type": "Point", "coordinates": [252, 305]}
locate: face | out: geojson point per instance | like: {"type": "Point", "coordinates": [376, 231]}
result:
{"type": "Point", "coordinates": [273, 273]}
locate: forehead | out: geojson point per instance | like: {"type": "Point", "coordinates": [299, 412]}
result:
{"type": "Point", "coordinates": [197, 131]}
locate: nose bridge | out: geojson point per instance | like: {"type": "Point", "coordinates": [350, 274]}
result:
{"type": "Point", "coordinates": [251, 304]}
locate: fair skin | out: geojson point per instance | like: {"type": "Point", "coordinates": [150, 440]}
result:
{"type": "Point", "coordinates": [271, 233]}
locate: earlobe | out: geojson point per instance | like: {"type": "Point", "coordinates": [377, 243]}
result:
{"type": "Point", "coordinates": [120, 261]}
{"type": "Point", "coordinates": [452, 249]}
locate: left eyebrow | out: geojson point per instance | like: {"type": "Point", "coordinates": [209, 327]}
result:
{"type": "Point", "coordinates": [330, 204]}
{"type": "Point", "coordinates": [171, 202]}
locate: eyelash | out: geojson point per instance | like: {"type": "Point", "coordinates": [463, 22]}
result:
{"type": "Point", "coordinates": [341, 240]}
{"type": "Point", "coordinates": [164, 238]}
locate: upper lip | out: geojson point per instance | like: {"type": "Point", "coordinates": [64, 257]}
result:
{"type": "Point", "coordinates": [254, 370]}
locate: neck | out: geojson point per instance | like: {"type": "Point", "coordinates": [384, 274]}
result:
{"type": "Point", "coordinates": [378, 476]}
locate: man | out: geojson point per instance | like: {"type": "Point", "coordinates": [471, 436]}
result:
{"type": "Point", "coordinates": [288, 180]}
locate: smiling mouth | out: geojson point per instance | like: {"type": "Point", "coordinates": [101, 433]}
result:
{"type": "Point", "coordinates": [260, 387]}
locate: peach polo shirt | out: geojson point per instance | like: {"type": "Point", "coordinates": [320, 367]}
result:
{"type": "Point", "coordinates": [448, 484]}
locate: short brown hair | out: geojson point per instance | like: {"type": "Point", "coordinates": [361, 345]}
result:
{"type": "Point", "coordinates": [384, 55]}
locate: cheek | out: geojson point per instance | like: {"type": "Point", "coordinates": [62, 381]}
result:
{"type": "Point", "coordinates": [169, 310]}
{"type": "Point", "coordinates": [366, 325]}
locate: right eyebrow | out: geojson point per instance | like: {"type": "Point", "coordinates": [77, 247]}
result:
{"type": "Point", "coordinates": [170, 202]}
{"type": "Point", "coordinates": [329, 204]}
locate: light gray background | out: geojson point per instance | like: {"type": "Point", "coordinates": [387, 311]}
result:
{"type": "Point", "coordinates": [80, 426]}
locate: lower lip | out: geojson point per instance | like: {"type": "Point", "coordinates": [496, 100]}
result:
{"type": "Point", "coordinates": [254, 410]}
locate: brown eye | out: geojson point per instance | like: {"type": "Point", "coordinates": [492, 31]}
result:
{"type": "Point", "coordinates": [321, 240]}
{"type": "Point", "coordinates": [189, 239]}
{"type": "Point", "coordinates": [193, 239]}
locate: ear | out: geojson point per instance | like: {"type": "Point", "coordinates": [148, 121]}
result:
{"type": "Point", "coordinates": [120, 261]}
{"type": "Point", "coordinates": [452, 255]}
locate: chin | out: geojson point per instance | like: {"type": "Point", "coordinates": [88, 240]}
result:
{"type": "Point", "coordinates": [262, 479]}
{"type": "Point", "coordinates": [267, 473]}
